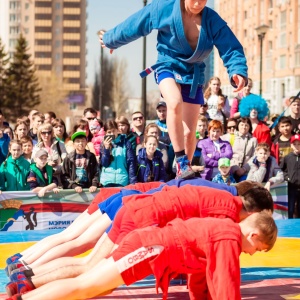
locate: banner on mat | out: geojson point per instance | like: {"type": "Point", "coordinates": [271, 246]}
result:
{"type": "Point", "coordinates": [26, 211]}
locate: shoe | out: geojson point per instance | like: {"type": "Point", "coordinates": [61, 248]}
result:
{"type": "Point", "coordinates": [22, 269]}
{"type": "Point", "coordinates": [183, 166]}
{"type": "Point", "coordinates": [13, 258]}
{"type": "Point", "coordinates": [19, 287]}
{"type": "Point", "coordinates": [14, 266]}
{"type": "Point", "coordinates": [15, 297]}
{"type": "Point", "coordinates": [17, 276]}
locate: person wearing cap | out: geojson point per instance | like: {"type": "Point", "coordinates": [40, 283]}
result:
{"type": "Point", "coordinates": [224, 175]}
{"type": "Point", "coordinates": [80, 167]}
{"type": "Point", "coordinates": [290, 166]}
{"type": "Point", "coordinates": [40, 177]}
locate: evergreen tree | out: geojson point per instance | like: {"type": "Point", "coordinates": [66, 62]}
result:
{"type": "Point", "coordinates": [23, 87]}
{"type": "Point", "coordinates": [4, 60]}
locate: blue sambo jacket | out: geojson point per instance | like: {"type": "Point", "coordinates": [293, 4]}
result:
{"type": "Point", "coordinates": [174, 52]}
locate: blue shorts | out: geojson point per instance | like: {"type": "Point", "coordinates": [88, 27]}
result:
{"type": "Point", "coordinates": [185, 89]}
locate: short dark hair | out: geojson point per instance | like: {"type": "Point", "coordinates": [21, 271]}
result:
{"type": "Point", "coordinates": [245, 120]}
{"type": "Point", "coordinates": [91, 110]}
{"type": "Point", "coordinates": [51, 114]}
{"type": "Point", "coordinates": [284, 120]}
{"type": "Point", "coordinates": [258, 198]}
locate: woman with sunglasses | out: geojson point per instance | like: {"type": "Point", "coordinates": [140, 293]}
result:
{"type": "Point", "coordinates": [56, 149]}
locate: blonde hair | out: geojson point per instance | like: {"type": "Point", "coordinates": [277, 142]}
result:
{"type": "Point", "coordinates": [203, 119]}
{"type": "Point", "coordinates": [266, 226]}
{"type": "Point", "coordinates": [45, 126]}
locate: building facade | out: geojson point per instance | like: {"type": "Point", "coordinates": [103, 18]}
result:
{"type": "Point", "coordinates": [56, 36]}
{"type": "Point", "coordinates": [281, 46]}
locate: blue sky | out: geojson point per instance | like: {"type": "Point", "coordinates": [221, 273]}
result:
{"type": "Point", "coordinates": [105, 14]}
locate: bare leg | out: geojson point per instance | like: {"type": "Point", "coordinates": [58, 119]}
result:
{"type": "Point", "coordinates": [82, 243]}
{"type": "Point", "coordinates": [172, 95]}
{"type": "Point", "coordinates": [102, 278]}
{"type": "Point", "coordinates": [80, 224]}
{"type": "Point", "coordinates": [71, 267]}
{"type": "Point", "coordinates": [189, 118]}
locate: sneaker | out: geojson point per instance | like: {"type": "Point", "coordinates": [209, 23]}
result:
{"type": "Point", "coordinates": [17, 276]}
{"type": "Point", "coordinates": [14, 266]}
{"type": "Point", "coordinates": [183, 166]}
{"type": "Point", "coordinates": [19, 287]}
{"type": "Point", "coordinates": [13, 258]}
{"type": "Point", "coordinates": [22, 269]}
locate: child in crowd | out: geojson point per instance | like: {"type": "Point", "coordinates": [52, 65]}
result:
{"type": "Point", "coordinates": [263, 167]}
{"type": "Point", "coordinates": [9, 132]}
{"type": "Point", "coordinates": [59, 130]}
{"type": "Point", "coordinates": [81, 125]}
{"type": "Point", "coordinates": [21, 129]}
{"type": "Point", "coordinates": [183, 246]}
{"type": "Point", "coordinates": [224, 176]}
{"type": "Point", "coordinates": [97, 130]}
{"type": "Point", "coordinates": [14, 170]}
{"type": "Point", "coordinates": [180, 68]}
{"type": "Point", "coordinates": [27, 148]}
{"type": "Point", "coordinates": [198, 163]}
{"type": "Point", "coordinates": [80, 168]}
{"type": "Point", "coordinates": [281, 145]}
{"type": "Point", "coordinates": [149, 161]}
{"type": "Point", "coordinates": [4, 142]}
{"type": "Point", "coordinates": [290, 166]}
{"type": "Point", "coordinates": [40, 177]}
{"type": "Point", "coordinates": [37, 120]}
{"type": "Point", "coordinates": [118, 161]}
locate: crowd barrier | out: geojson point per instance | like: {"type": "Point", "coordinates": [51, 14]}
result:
{"type": "Point", "coordinates": [20, 211]}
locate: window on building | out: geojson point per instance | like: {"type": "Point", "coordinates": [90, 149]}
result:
{"type": "Point", "coordinates": [42, 54]}
{"type": "Point", "coordinates": [26, 18]}
{"type": "Point", "coordinates": [297, 57]}
{"type": "Point", "coordinates": [245, 14]}
{"type": "Point", "coordinates": [26, 30]}
{"type": "Point", "coordinates": [57, 44]}
{"type": "Point", "coordinates": [71, 68]}
{"type": "Point", "coordinates": [57, 18]}
{"type": "Point", "coordinates": [71, 17]}
{"type": "Point", "coordinates": [270, 45]}
{"type": "Point", "coordinates": [297, 82]}
{"type": "Point", "coordinates": [57, 56]}
{"type": "Point", "coordinates": [72, 4]}
{"type": "Point", "coordinates": [44, 67]}
{"type": "Point", "coordinates": [71, 30]}
{"type": "Point", "coordinates": [245, 33]}
{"type": "Point", "coordinates": [57, 5]}
{"type": "Point", "coordinates": [282, 62]}
{"type": "Point", "coordinates": [12, 17]}
{"type": "Point", "coordinates": [282, 39]}
{"type": "Point", "coordinates": [26, 5]}
{"type": "Point", "coordinates": [43, 42]}
{"type": "Point", "coordinates": [74, 80]}
{"type": "Point", "coordinates": [14, 29]}
{"type": "Point", "coordinates": [71, 43]}
{"type": "Point", "coordinates": [270, 24]}
{"type": "Point", "coordinates": [42, 29]}
{"type": "Point", "coordinates": [43, 16]}
{"type": "Point", "coordinates": [43, 4]}
{"type": "Point", "coordinates": [283, 20]}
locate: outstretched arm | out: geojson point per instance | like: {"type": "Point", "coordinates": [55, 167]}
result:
{"type": "Point", "coordinates": [134, 27]}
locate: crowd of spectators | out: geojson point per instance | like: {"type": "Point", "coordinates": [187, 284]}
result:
{"type": "Point", "coordinates": [233, 143]}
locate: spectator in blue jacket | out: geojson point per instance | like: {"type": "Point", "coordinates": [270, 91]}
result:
{"type": "Point", "coordinates": [118, 160]}
{"type": "Point", "coordinates": [4, 142]}
{"type": "Point", "coordinates": [150, 163]}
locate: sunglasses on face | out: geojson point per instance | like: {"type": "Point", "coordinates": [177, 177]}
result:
{"type": "Point", "coordinates": [138, 118]}
{"type": "Point", "coordinates": [204, 105]}
{"type": "Point", "coordinates": [230, 127]}
{"type": "Point", "coordinates": [46, 132]}
{"type": "Point", "coordinates": [90, 119]}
